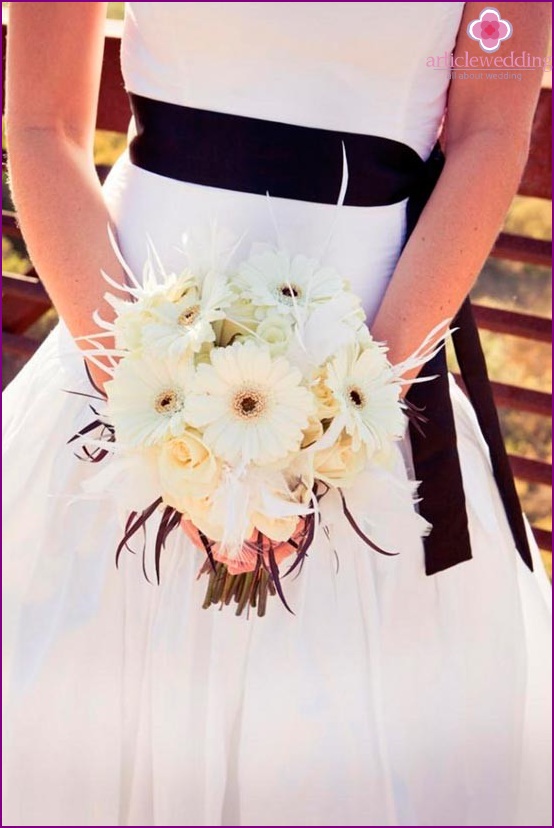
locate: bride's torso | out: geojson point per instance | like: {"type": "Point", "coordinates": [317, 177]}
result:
{"type": "Point", "coordinates": [356, 67]}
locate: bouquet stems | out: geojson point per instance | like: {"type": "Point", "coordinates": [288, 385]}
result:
{"type": "Point", "coordinates": [247, 589]}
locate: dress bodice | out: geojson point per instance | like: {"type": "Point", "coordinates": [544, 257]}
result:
{"type": "Point", "coordinates": [356, 67]}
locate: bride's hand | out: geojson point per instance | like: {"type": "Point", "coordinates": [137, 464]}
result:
{"type": "Point", "coordinates": [282, 550]}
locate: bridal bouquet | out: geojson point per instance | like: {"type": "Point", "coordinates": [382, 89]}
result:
{"type": "Point", "coordinates": [238, 397]}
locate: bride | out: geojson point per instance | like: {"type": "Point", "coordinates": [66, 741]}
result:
{"type": "Point", "coordinates": [411, 690]}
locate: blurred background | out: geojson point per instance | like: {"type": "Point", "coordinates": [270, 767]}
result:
{"type": "Point", "coordinates": [513, 294]}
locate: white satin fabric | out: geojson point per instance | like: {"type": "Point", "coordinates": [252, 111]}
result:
{"type": "Point", "coordinates": [389, 697]}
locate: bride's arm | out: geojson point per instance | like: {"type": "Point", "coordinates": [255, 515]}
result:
{"type": "Point", "coordinates": [488, 128]}
{"type": "Point", "coordinates": [54, 61]}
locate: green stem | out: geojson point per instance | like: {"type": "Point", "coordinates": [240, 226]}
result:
{"type": "Point", "coordinates": [219, 583]}
{"type": "Point", "coordinates": [262, 592]}
{"type": "Point", "coordinates": [229, 588]}
{"type": "Point", "coordinates": [245, 593]}
{"type": "Point", "coordinates": [209, 591]}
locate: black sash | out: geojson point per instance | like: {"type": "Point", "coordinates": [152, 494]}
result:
{"type": "Point", "coordinates": [306, 163]}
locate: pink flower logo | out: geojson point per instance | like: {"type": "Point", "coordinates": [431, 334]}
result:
{"type": "Point", "coordinates": [489, 30]}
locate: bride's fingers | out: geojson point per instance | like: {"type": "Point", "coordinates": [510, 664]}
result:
{"type": "Point", "coordinates": [282, 550]}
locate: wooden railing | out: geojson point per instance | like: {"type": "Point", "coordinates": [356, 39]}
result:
{"type": "Point", "coordinates": [25, 300]}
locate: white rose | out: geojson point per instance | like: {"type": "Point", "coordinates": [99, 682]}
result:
{"type": "Point", "coordinates": [129, 324]}
{"type": "Point", "coordinates": [339, 464]}
{"type": "Point", "coordinates": [200, 511]}
{"type": "Point", "coordinates": [327, 405]}
{"type": "Point", "coordinates": [276, 331]}
{"type": "Point", "coordinates": [187, 468]}
{"type": "Point", "coordinates": [277, 528]}
{"type": "Point", "coordinates": [240, 320]}
{"type": "Point", "coordinates": [244, 311]}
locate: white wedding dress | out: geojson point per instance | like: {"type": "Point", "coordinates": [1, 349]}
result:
{"type": "Point", "coordinates": [390, 697]}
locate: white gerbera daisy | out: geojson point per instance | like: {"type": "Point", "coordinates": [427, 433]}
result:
{"type": "Point", "coordinates": [363, 384]}
{"type": "Point", "coordinates": [146, 399]}
{"type": "Point", "coordinates": [133, 315]}
{"type": "Point", "coordinates": [138, 300]}
{"type": "Point", "coordinates": [289, 284]}
{"type": "Point", "coordinates": [250, 406]}
{"type": "Point", "coordinates": [182, 326]}
{"type": "Point", "coordinates": [140, 297]}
